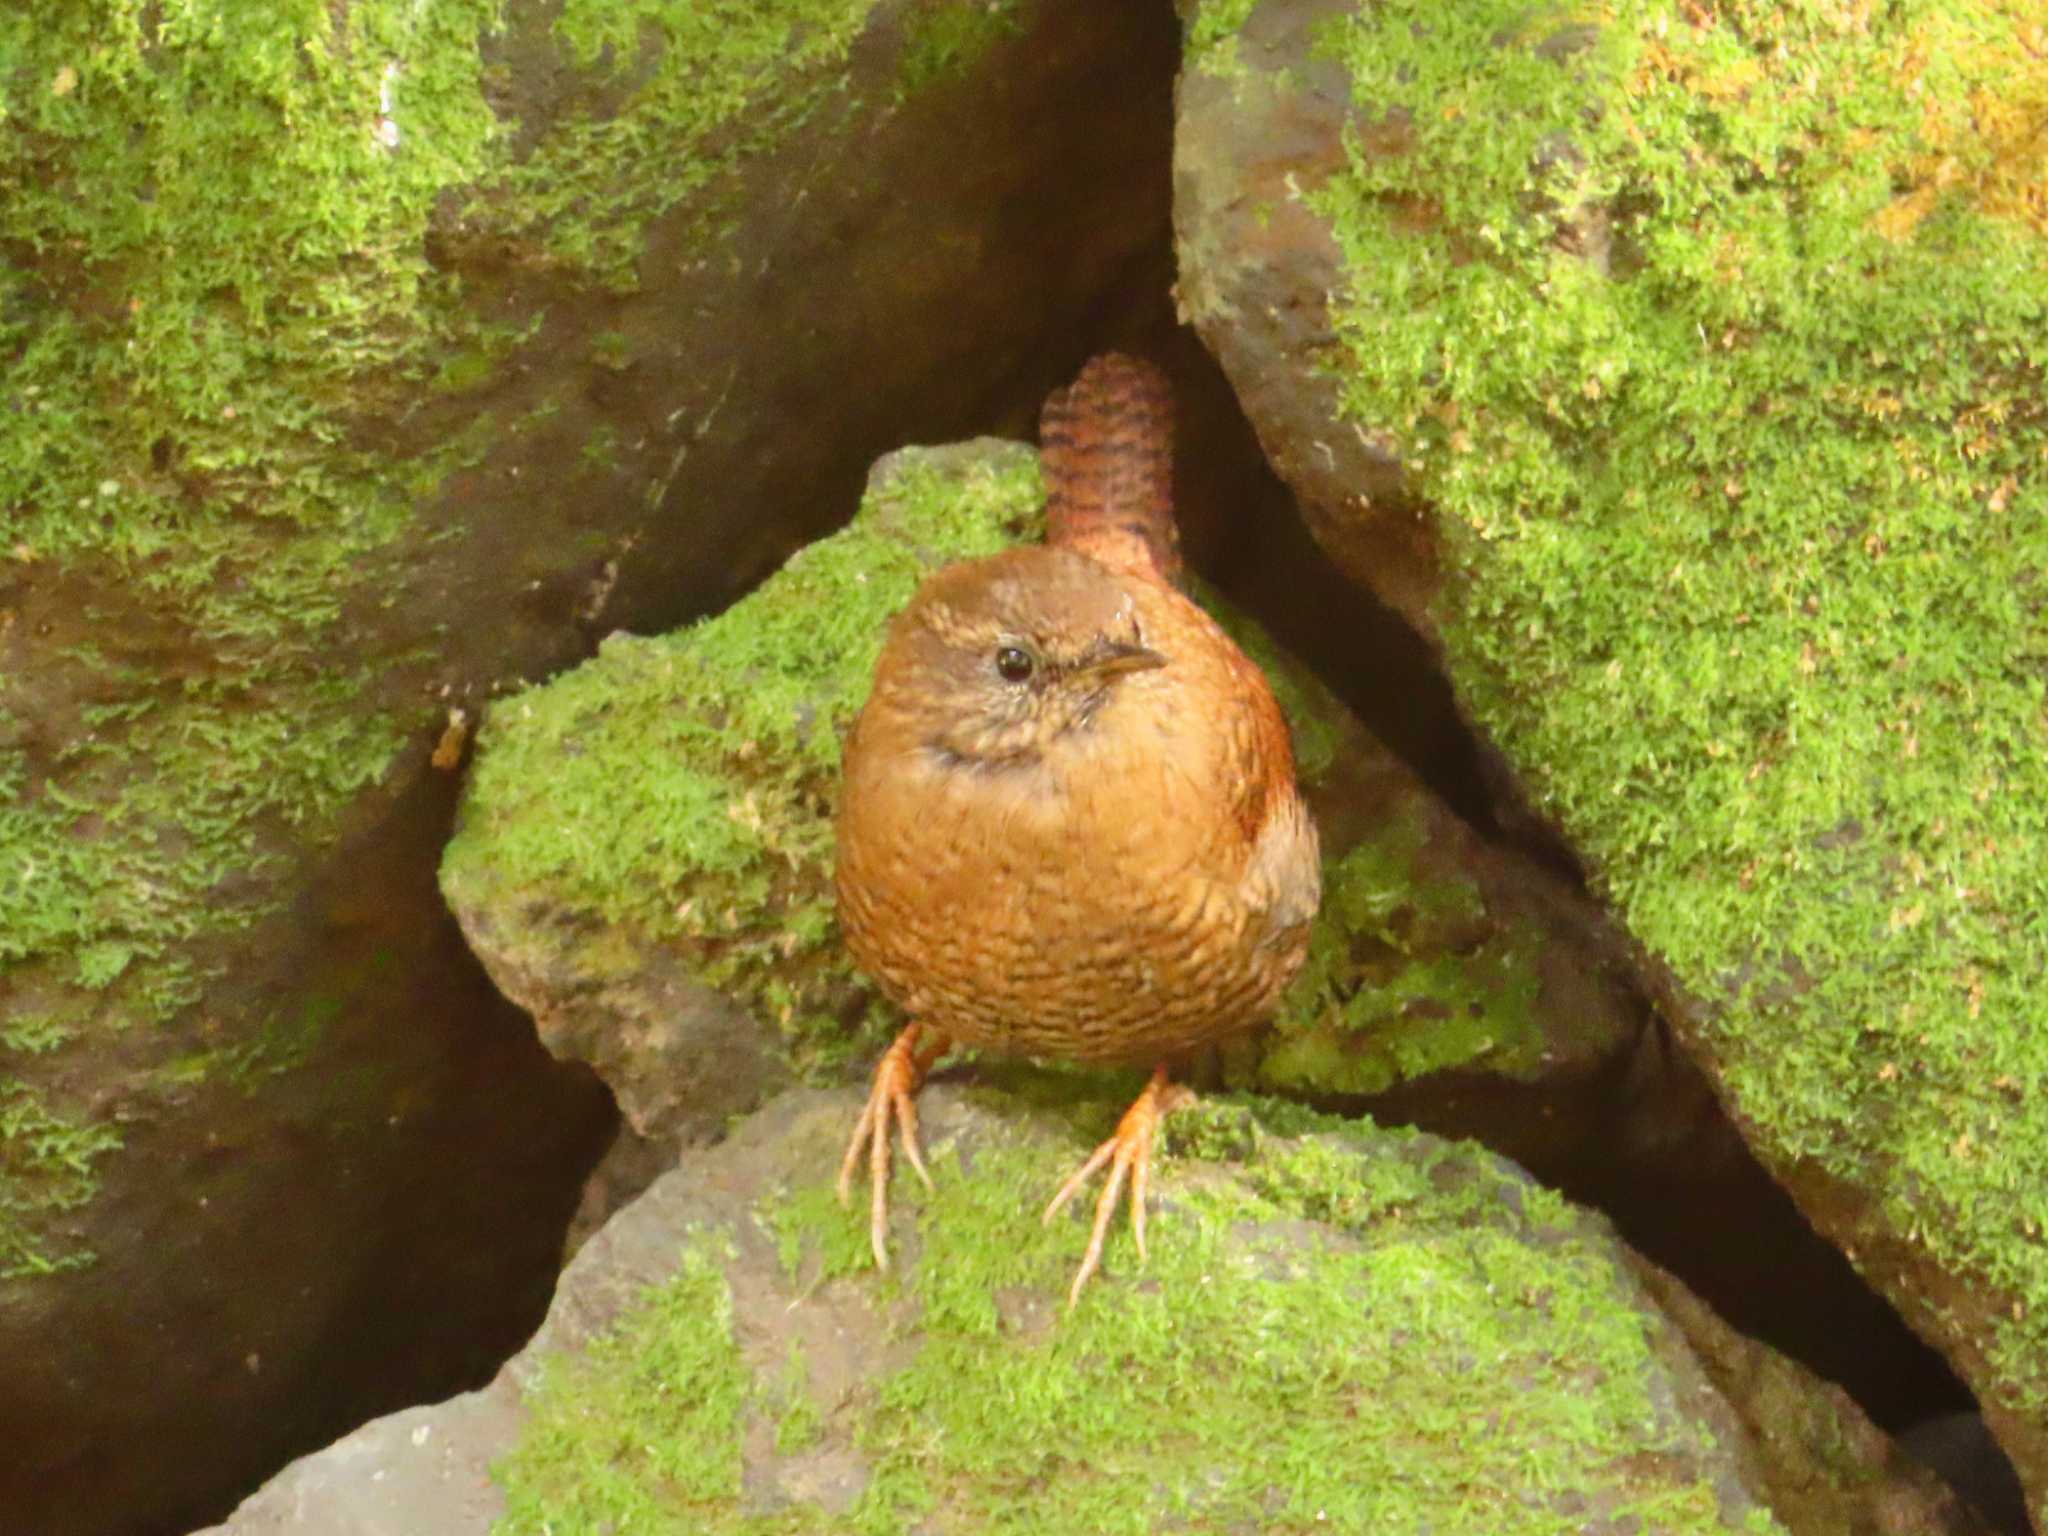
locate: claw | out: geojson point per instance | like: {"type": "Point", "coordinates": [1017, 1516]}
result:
{"type": "Point", "coordinates": [898, 1076]}
{"type": "Point", "coordinates": [1129, 1151]}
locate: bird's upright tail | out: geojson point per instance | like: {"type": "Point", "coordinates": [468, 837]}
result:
{"type": "Point", "coordinates": [1106, 444]}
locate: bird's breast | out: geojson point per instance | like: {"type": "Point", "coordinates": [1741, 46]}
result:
{"type": "Point", "coordinates": [1089, 902]}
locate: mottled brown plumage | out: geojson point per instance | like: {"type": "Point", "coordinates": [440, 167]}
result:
{"type": "Point", "coordinates": [1069, 823]}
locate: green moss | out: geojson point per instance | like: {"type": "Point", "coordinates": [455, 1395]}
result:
{"type": "Point", "coordinates": [463, 371]}
{"type": "Point", "coordinates": [643, 1429]}
{"type": "Point", "coordinates": [681, 788]}
{"type": "Point", "coordinates": [612, 349]}
{"type": "Point", "coordinates": [690, 88]}
{"type": "Point", "coordinates": [1259, 1376]}
{"type": "Point", "coordinates": [34, 1033]}
{"type": "Point", "coordinates": [1211, 37]}
{"type": "Point", "coordinates": [600, 450]}
{"type": "Point", "coordinates": [1405, 976]}
{"type": "Point", "coordinates": [810, 1231]}
{"type": "Point", "coordinates": [945, 38]}
{"type": "Point", "coordinates": [799, 1425]}
{"type": "Point", "coordinates": [1407, 973]}
{"type": "Point", "coordinates": [1717, 340]}
{"type": "Point", "coordinates": [189, 323]}
{"type": "Point", "coordinates": [49, 1160]}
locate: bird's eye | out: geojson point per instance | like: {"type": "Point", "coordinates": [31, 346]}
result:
{"type": "Point", "coordinates": [1014, 663]}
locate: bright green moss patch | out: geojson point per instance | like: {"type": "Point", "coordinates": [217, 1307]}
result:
{"type": "Point", "coordinates": [682, 786]}
{"type": "Point", "coordinates": [641, 1433]}
{"type": "Point", "coordinates": [34, 1033]}
{"type": "Point", "coordinates": [193, 317]}
{"type": "Point", "coordinates": [1211, 42]}
{"type": "Point", "coordinates": [1451, 1350]}
{"type": "Point", "coordinates": [1717, 338]}
{"type": "Point", "coordinates": [1405, 976]}
{"type": "Point", "coordinates": [809, 1231]}
{"type": "Point", "coordinates": [190, 317]}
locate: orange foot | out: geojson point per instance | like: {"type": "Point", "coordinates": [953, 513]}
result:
{"type": "Point", "coordinates": [898, 1076]}
{"type": "Point", "coordinates": [1128, 1151]}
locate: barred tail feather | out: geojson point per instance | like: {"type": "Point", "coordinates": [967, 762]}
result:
{"type": "Point", "coordinates": [1106, 443]}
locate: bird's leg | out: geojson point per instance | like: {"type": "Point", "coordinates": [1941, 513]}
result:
{"type": "Point", "coordinates": [1128, 1151]}
{"type": "Point", "coordinates": [898, 1076]}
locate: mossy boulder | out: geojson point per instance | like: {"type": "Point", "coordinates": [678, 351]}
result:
{"type": "Point", "coordinates": [1340, 1328]}
{"type": "Point", "coordinates": [644, 856]}
{"type": "Point", "coordinates": [361, 358]}
{"type": "Point", "coordinates": [1712, 344]}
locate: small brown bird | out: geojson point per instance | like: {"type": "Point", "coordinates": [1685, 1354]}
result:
{"type": "Point", "coordinates": [1069, 824]}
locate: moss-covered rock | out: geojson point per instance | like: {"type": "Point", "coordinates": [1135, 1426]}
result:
{"type": "Point", "coordinates": [1340, 1328]}
{"type": "Point", "coordinates": [1356, 1330]}
{"type": "Point", "coordinates": [645, 854]}
{"type": "Point", "coordinates": [1714, 341]}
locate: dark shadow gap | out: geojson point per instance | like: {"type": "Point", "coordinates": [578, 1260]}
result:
{"type": "Point", "coordinates": [468, 1156]}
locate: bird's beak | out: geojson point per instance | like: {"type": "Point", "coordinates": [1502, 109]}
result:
{"type": "Point", "coordinates": [1108, 658]}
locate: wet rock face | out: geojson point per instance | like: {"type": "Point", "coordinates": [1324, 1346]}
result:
{"type": "Point", "coordinates": [1377, 1312]}
{"type": "Point", "coordinates": [1255, 269]}
{"type": "Point", "coordinates": [322, 435]}
{"type": "Point", "coordinates": [1761, 682]}
{"type": "Point", "coordinates": [287, 1252]}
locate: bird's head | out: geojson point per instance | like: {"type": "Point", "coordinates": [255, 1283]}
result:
{"type": "Point", "coordinates": [998, 661]}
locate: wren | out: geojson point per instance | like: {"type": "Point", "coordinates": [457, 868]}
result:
{"type": "Point", "coordinates": [1069, 824]}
